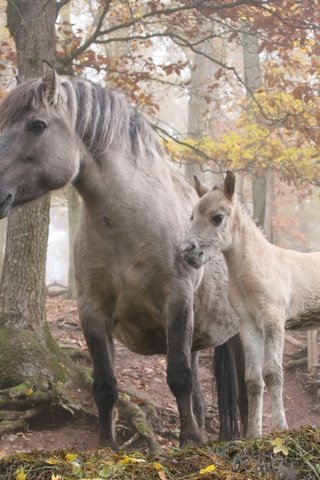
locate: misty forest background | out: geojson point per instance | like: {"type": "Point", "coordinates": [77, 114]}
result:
{"type": "Point", "coordinates": [226, 84]}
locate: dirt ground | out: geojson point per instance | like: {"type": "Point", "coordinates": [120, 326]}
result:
{"type": "Point", "coordinates": [145, 377]}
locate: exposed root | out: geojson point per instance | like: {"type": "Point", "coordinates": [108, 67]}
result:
{"type": "Point", "coordinates": [137, 418]}
{"type": "Point", "coordinates": [21, 404]}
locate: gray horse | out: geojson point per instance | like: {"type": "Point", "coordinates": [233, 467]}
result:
{"type": "Point", "coordinates": [133, 283]}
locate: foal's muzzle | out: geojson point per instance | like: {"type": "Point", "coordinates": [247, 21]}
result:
{"type": "Point", "coordinates": [193, 253]}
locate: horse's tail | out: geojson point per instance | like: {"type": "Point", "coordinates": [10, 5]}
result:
{"type": "Point", "coordinates": [228, 385]}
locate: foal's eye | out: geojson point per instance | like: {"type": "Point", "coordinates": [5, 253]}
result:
{"type": "Point", "coordinates": [38, 127]}
{"type": "Point", "coordinates": [217, 219]}
{"type": "Point", "coordinates": [191, 217]}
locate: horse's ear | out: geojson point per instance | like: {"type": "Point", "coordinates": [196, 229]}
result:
{"type": "Point", "coordinates": [229, 185]}
{"type": "Point", "coordinates": [19, 80]}
{"type": "Point", "coordinates": [199, 187]}
{"type": "Point", "coordinates": [50, 82]}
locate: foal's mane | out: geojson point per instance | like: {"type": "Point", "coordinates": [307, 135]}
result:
{"type": "Point", "coordinates": [100, 116]}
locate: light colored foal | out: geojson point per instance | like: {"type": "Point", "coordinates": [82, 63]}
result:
{"type": "Point", "coordinates": [269, 287]}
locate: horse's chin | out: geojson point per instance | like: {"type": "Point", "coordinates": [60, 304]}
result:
{"type": "Point", "coordinates": [5, 205]}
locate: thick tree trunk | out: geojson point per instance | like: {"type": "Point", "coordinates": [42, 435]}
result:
{"type": "Point", "coordinates": [3, 232]}
{"type": "Point", "coordinates": [31, 363]}
{"type": "Point", "coordinates": [32, 25]}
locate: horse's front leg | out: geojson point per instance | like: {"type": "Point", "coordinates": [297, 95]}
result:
{"type": "Point", "coordinates": [100, 346]}
{"type": "Point", "coordinates": [179, 373]}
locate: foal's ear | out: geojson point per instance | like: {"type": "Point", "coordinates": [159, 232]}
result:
{"type": "Point", "coordinates": [229, 184]}
{"type": "Point", "coordinates": [199, 187]}
{"type": "Point", "coordinates": [50, 82]}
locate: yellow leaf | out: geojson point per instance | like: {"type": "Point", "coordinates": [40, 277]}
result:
{"type": "Point", "coordinates": [208, 469]}
{"type": "Point", "coordinates": [29, 392]}
{"type": "Point", "coordinates": [160, 470]}
{"type": "Point", "coordinates": [70, 457]}
{"type": "Point", "coordinates": [53, 461]}
{"type": "Point", "coordinates": [162, 475]}
{"type": "Point", "coordinates": [126, 460]}
{"type": "Point", "coordinates": [20, 474]}
{"type": "Point", "coordinates": [56, 477]}
{"type": "Point", "coordinates": [279, 446]}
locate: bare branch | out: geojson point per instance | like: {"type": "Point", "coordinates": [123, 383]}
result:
{"type": "Point", "coordinates": [91, 39]}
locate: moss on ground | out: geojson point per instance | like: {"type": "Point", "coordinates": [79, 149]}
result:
{"type": "Point", "coordinates": [294, 454]}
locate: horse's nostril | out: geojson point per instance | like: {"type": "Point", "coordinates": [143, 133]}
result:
{"type": "Point", "coordinates": [189, 246]}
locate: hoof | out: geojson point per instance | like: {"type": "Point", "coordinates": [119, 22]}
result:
{"type": "Point", "coordinates": [193, 438]}
{"type": "Point", "coordinates": [106, 442]}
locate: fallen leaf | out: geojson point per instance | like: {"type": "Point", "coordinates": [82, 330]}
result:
{"type": "Point", "coordinates": [279, 446]}
{"type": "Point", "coordinates": [20, 474]}
{"type": "Point", "coordinates": [208, 469]}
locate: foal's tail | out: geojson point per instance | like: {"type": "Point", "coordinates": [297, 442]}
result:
{"type": "Point", "coordinates": [228, 386]}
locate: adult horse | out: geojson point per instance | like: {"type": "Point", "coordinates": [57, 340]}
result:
{"type": "Point", "coordinates": [132, 281]}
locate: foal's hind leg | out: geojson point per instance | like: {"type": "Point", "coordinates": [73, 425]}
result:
{"type": "Point", "coordinates": [179, 316]}
{"type": "Point", "coordinates": [273, 373]}
{"type": "Point", "coordinates": [100, 345]}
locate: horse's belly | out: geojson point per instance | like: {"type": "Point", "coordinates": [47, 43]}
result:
{"type": "Point", "coordinates": [139, 326]}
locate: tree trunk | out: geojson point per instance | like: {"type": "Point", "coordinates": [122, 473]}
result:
{"type": "Point", "coordinates": [30, 360]}
{"type": "Point", "coordinates": [200, 115]}
{"type": "Point", "coordinates": [253, 81]}
{"type": "Point", "coordinates": [3, 231]}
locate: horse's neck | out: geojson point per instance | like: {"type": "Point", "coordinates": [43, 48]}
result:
{"type": "Point", "coordinates": [128, 190]}
{"type": "Point", "coordinates": [249, 242]}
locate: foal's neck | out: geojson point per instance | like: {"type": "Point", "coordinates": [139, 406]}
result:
{"type": "Point", "coordinates": [249, 242]}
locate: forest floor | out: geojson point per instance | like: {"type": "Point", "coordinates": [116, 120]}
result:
{"type": "Point", "coordinates": [145, 377]}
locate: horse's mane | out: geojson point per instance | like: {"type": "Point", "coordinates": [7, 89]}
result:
{"type": "Point", "coordinates": [99, 115]}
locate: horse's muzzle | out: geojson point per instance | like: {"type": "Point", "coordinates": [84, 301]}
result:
{"type": "Point", "coordinates": [193, 253]}
{"type": "Point", "coordinates": [6, 202]}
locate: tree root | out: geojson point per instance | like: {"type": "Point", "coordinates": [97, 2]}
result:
{"type": "Point", "coordinates": [22, 403]}
{"type": "Point", "coordinates": [138, 419]}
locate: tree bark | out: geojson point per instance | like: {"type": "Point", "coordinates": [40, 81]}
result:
{"type": "Point", "coordinates": [200, 116]}
{"type": "Point", "coordinates": [31, 363]}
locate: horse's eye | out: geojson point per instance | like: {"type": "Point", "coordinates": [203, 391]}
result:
{"type": "Point", "coordinates": [38, 127]}
{"type": "Point", "coordinates": [191, 217]}
{"type": "Point", "coordinates": [217, 219]}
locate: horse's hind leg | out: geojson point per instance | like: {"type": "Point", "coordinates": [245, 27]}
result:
{"type": "Point", "coordinates": [198, 402]}
{"type": "Point", "coordinates": [100, 346]}
{"type": "Point", "coordinates": [179, 374]}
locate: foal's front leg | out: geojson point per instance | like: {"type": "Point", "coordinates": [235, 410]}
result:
{"type": "Point", "coordinates": [100, 346]}
{"type": "Point", "coordinates": [253, 345]}
{"type": "Point", "coordinates": [272, 369]}
{"type": "Point", "coordinates": [179, 317]}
